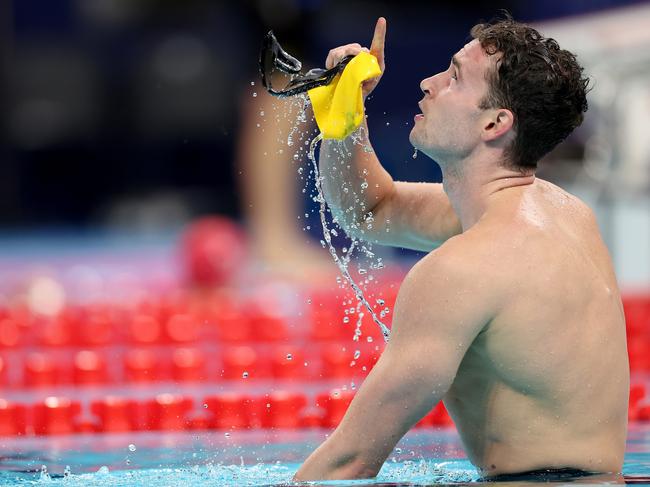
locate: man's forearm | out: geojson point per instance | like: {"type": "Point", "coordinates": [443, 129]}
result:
{"type": "Point", "coordinates": [327, 462]}
{"type": "Point", "coordinates": [354, 181]}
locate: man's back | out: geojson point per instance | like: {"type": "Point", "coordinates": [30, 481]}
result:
{"type": "Point", "coordinates": [545, 383]}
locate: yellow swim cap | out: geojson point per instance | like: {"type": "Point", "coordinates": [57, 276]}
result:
{"type": "Point", "coordinates": [338, 107]}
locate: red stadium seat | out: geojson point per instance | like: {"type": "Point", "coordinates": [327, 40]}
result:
{"type": "Point", "coordinates": [229, 410]}
{"type": "Point", "coordinates": [327, 324]}
{"type": "Point", "coordinates": [233, 325]}
{"type": "Point", "coordinates": [335, 403]}
{"type": "Point", "coordinates": [142, 365]}
{"type": "Point", "coordinates": [637, 314]}
{"type": "Point", "coordinates": [94, 327]}
{"type": "Point", "coordinates": [12, 418]}
{"type": "Point", "coordinates": [288, 362]}
{"type": "Point", "coordinates": [3, 372]}
{"type": "Point", "coordinates": [336, 359]}
{"type": "Point", "coordinates": [55, 415]}
{"type": "Point", "coordinates": [267, 325]}
{"type": "Point", "coordinates": [182, 328]}
{"type": "Point", "coordinates": [638, 350]}
{"type": "Point", "coordinates": [285, 409]}
{"type": "Point", "coordinates": [242, 362]}
{"type": "Point", "coordinates": [188, 365]}
{"type": "Point", "coordinates": [89, 367]}
{"type": "Point", "coordinates": [169, 412]}
{"type": "Point", "coordinates": [115, 414]}
{"type": "Point", "coordinates": [145, 329]}
{"type": "Point", "coordinates": [53, 331]}
{"type": "Point", "coordinates": [42, 370]}
{"type": "Point", "coordinates": [10, 333]}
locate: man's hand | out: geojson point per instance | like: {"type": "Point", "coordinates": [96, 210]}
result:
{"type": "Point", "coordinates": [376, 49]}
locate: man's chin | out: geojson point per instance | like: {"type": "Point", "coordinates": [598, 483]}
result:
{"type": "Point", "coordinates": [413, 139]}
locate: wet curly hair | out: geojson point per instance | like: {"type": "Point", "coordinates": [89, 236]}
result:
{"type": "Point", "coordinates": [540, 83]}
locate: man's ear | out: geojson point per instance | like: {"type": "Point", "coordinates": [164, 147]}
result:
{"type": "Point", "coordinates": [498, 123]}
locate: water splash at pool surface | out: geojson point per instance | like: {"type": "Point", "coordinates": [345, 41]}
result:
{"type": "Point", "coordinates": [247, 458]}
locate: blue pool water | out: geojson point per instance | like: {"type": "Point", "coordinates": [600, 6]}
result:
{"type": "Point", "coordinates": [423, 457]}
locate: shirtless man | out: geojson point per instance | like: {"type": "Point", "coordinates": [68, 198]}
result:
{"type": "Point", "coordinates": [515, 321]}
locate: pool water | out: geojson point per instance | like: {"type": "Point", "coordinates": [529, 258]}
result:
{"type": "Point", "coordinates": [261, 457]}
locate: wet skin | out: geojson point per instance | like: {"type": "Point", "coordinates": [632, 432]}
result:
{"type": "Point", "coordinates": [514, 317]}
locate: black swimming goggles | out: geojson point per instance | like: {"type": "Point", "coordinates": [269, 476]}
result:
{"type": "Point", "coordinates": [275, 59]}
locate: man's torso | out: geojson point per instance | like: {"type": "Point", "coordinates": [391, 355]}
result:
{"type": "Point", "coordinates": [545, 384]}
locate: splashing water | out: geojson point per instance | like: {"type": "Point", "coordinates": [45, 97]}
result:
{"type": "Point", "coordinates": [342, 263]}
{"type": "Point", "coordinates": [415, 153]}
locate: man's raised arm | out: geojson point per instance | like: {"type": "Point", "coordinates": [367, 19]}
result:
{"type": "Point", "coordinates": [363, 197]}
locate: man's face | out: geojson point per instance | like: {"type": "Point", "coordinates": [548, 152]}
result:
{"type": "Point", "coordinates": [449, 126]}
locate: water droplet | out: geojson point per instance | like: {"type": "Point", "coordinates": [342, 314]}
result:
{"type": "Point", "coordinates": [254, 94]}
{"type": "Point", "coordinates": [245, 375]}
{"type": "Point", "coordinates": [226, 434]}
{"type": "Point", "coordinates": [380, 302]}
{"type": "Point", "coordinates": [262, 113]}
{"type": "Point", "coordinates": [415, 153]}
{"type": "Point", "coordinates": [44, 475]}
{"type": "Point", "coordinates": [387, 124]}
{"type": "Point", "coordinates": [364, 185]}
{"type": "Point", "coordinates": [289, 356]}
{"type": "Point", "coordinates": [362, 271]}
{"type": "Point", "coordinates": [357, 354]}
{"type": "Point", "coordinates": [67, 471]}
{"type": "Point", "coordinates": [205, 405]}
{"type": "Point", "coordinates": [132, 447]}
{"type": "Point", "coordinates": [369, 339]}
{"type": "Point", "coordinates": [252, 83]}
{"type": "Point", "coordinates": [346, 319]}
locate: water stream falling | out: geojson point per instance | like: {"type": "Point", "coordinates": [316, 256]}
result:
{"type": "Point", "coordinates": [342, 263]}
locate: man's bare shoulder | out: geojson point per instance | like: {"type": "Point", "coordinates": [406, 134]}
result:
{"type": "Point", "coordinates": [474, 253]}
{"type": "Point", "coordinates": [561, 198]}
{"type": "Point", "coordinates": [465, 267]}
{"type": "Point", "coordinates": [446, 294]}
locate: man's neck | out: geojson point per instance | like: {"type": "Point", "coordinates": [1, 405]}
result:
{"type": "Point", "coordinates": [470, 183]}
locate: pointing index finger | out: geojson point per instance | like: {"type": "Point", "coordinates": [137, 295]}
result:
{"type": "Point", "coordinates": [378, 39]}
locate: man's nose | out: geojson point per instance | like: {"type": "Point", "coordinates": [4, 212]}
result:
{"type": "Point", "coordinates": [426, 85]}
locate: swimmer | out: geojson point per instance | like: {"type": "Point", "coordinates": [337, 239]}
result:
{"type": "Point", "coordinates": [514, 318]}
